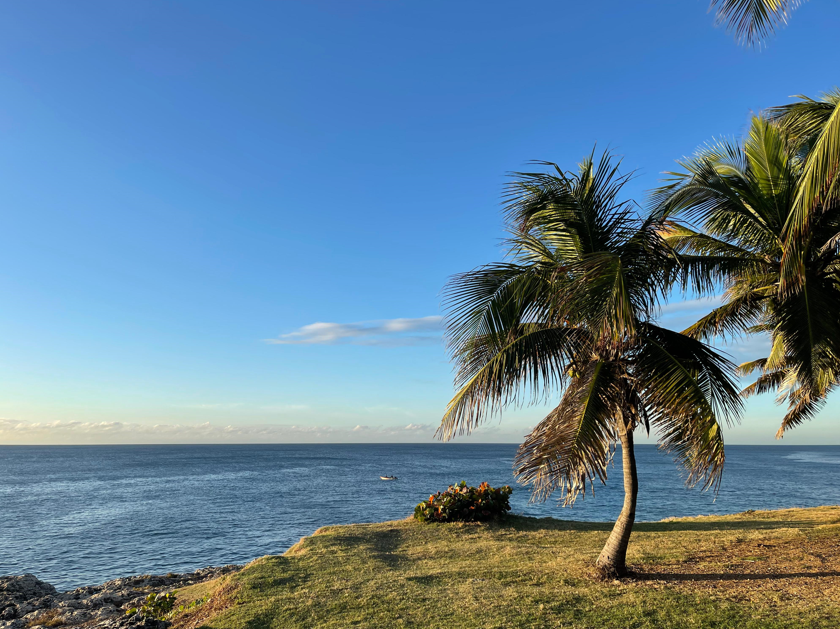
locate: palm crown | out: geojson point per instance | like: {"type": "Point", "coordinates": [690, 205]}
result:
{"type": "Point", "coordinates": [572, 311]}
{"type": "Point", "coordinates": [779, 269]}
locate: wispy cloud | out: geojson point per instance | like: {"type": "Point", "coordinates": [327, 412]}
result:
{"type": "Point", "coordinates": [286, 408]}
{"type": "Point", "coordinates": [243, 407]}
{"type": "Point", "coordinates": [385, 332]}
{"type": "Point", "coordinates": [222, 406]}
{"type": "Point", "coordinates": [80, 432]}
{"type": "Point", "coordinates": [703, 303]}
{"type": "Point", "coordinates": [390, 410]}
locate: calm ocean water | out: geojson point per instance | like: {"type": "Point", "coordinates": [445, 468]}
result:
{"type": "Point", "coordinates": [81, 515]}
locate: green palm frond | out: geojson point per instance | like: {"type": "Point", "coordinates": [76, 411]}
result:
{"type": "Point", "coordinates": [816, 125]}
{"type": "Point", "coordinates": [487, 301]}
{"type": "Point", "coordinates": [686, 388]}
{"type": "Point", "coordinates": [808, 326]}
{"type": "Point", "coordinates": [721, 189]}
{"type": "Point", "coordinates": [577, 213]}
{"type": "Point", "coordinates": [492, 377]}
{"type": "Point", "coordinates": [747, 368]}
{"type": "Point", "coordinates": [753, 20]}
{"type": "Point", "coordinates": [734, 318]}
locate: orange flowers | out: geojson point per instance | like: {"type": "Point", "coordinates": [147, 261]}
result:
{"type": "Point", "coordinates": [466, 504]}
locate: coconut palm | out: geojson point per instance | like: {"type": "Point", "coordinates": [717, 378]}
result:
{"type": "Point", "coordinates": [753, 20]}
{"type": "Point", "coordinates": [571, 313]}
{"type": "Point", "coordinates": [745, 198]}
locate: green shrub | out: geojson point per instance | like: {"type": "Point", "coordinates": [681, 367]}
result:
{"type": "Point", "coordinates": [460, 503]}
{"type": "Point", "coordinates": [155, 606]}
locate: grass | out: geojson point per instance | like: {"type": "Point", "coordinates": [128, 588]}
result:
{"type": "Point", "coordinates": [755, 569]}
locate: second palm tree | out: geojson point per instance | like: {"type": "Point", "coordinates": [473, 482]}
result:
{"type": "Point", "coordinates": [572, 312]}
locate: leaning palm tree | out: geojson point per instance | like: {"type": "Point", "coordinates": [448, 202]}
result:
{"type": "Point", "coordinates": [781, 277]}
{"type": "Point", "coordinates": [571, 312]}
{"type": "Point", "coordinates": [753, 20]}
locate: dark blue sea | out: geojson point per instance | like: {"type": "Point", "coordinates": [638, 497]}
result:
{"type": "Point", "coordinates": [82, 515]}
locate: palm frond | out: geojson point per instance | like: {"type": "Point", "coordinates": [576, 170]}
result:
{"type": "Point", "coordinates": [734, 318]}
{"type": "Point", "coordinates": [765, 383]}
{"type": "Point", "coordinates": [571, 447]}
{"type": "Point", "coordinates": [803, 408]}
{"type": "Point", "coordinates": [747, 368]}
{"type": "Point", "coordinates": [803, 121]}
{"type": "Point", "coordinates": [753, 20]}
{"type": "Point", "coordinates": [491, 377]}
{"type": "Point", "coordinates": [813, 127]}
{"type": "Point", "coordinates": [808, 326]}
{"type": "Point", "coordinates": [687, 390]}
{"type": "Point", "coordinates": [488, 301]}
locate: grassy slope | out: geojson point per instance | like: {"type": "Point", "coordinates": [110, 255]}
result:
{"type": "Point", "coordinates": [756, 569]}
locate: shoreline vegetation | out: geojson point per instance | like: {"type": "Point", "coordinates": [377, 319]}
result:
{"type": "Point", "coordinates": [752, 569]}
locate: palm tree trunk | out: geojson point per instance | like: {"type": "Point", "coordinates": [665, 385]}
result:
{"type": "Point", "coordinates": [611, 563]}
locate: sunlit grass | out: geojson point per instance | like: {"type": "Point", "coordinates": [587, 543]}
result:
{"type": "Point", "coordinates": [757, 569]}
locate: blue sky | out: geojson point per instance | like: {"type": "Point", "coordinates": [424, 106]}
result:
{"type": "Point", "coordinates": [188, 188]}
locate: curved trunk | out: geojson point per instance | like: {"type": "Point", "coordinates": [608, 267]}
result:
{"type": "Point", "coordinates": [611, 563]}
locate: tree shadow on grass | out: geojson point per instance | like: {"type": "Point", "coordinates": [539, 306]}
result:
{"type": "Point", "coordinates": [382, 546]}
{"type": "Point", "coordinates": [676, 577]}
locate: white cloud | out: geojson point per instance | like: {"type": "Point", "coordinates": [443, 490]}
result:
{"type": "Point", "coordinates": [386, 332]}
{"type": "Point", "coordinates": [418, 427]}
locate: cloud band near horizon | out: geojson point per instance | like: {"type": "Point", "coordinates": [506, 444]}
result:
{"type": "Point", "coordinates": [15, 431]}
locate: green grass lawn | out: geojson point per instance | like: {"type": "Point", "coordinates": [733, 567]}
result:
{"type": "Point", "coordinates": [755, 569]}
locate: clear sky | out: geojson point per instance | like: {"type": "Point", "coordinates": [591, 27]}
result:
{"type": "Point", "coordinates": [188, 188]}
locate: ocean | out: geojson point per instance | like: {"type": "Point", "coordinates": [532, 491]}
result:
{"type": "Point", "coordinates": [82, 515]}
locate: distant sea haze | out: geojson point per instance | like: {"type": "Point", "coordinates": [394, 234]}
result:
{"type": "Point", "coordinates": [79, 515]}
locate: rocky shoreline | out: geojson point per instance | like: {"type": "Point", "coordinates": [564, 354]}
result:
{"type": "Point", "coordinates": [26, 602]}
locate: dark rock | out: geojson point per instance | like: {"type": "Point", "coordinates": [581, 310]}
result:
{"type": "Point", "coordinates": [23, 588]}
{"type": "Point", "coordinates": [25, 600]}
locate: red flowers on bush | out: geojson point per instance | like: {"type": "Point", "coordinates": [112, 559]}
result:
{"type": "Point", "coordinates": [460, 503]}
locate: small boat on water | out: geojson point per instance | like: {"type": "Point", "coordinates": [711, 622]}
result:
{"type": "Point", "coordinates": [388, 477]}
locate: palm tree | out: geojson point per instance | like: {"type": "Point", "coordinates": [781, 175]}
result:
{"type": "Point", "coordinates": [781, 276]}
{"type": "Point", "coordinates": [572, 311]}
{"type": "Point", "coordinates": [753, 20]}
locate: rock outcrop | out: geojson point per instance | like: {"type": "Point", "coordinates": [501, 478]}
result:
{"type": "Point", "coordinates": [26, 602]}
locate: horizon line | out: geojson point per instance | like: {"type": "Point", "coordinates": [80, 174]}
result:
{"type": "Point", "coordinates": [364, 443]}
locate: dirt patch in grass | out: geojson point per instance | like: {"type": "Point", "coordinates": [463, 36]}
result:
{"type": "Point", "coordinates": [803, 570]}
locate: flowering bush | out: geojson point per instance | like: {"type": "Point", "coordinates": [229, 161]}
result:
{"type": "Point", "coordinates": [460, 503]}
